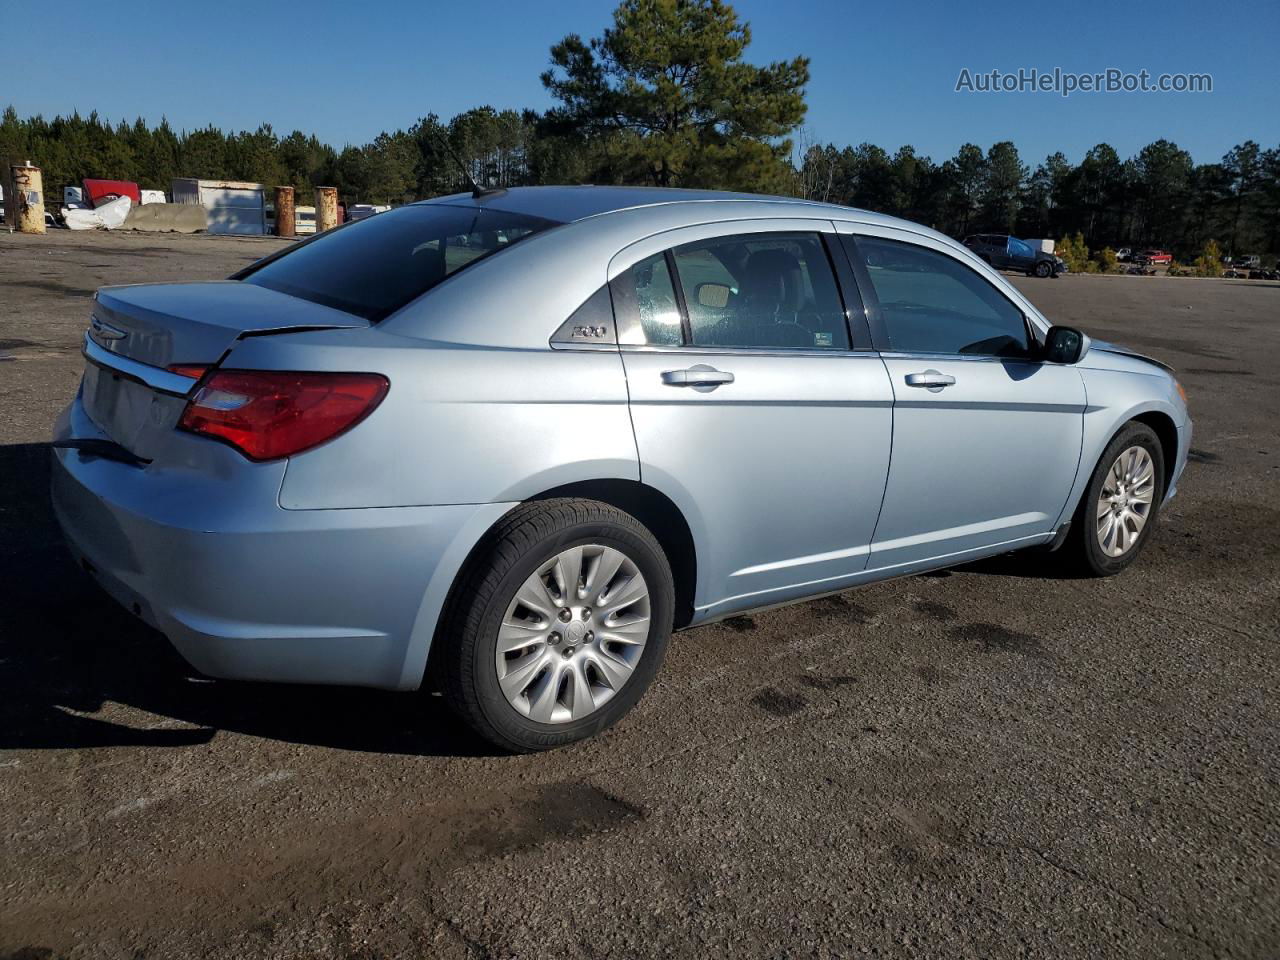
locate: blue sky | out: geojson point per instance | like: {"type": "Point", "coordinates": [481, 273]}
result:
{"type": "Point", "coordinates": [880, 72]}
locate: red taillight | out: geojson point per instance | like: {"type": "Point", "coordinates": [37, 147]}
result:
{"type": "Point", "coordinates": [269, 414]}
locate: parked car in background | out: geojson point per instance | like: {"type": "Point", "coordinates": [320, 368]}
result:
{"type": "Point", "coordinates": [1248, 262]}
{"type": "Point", "coordinates": [1124, 255]}
{"type": "Point", "coordinates": [362, 211]}
{"type": "Point", "coordinates": [510, 467]}
{"type": "Point", "coordinates": [1153, 258]}
{"type": "Point", "coordinates": [1009, 253]}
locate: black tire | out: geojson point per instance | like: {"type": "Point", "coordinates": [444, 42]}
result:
{"type": "Point", "coordinates": [1043, 270]}
{"type": "Point", "coordinates": [1082, 553]}
{"type": "Point", "coordinates": [465, 647]}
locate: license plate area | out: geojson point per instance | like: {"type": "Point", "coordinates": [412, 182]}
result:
{"type": "Point", "coordinates": [129, 412]}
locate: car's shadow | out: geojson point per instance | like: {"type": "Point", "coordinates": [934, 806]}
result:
{"type": "Point", "coordinates": [67, 651]}
{"type": "Point", "coordinates": [1034, 563]}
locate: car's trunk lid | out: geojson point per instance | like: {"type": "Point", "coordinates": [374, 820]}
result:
{"type": "Point", "coordinates": [160, 324]}
{"type": "Point", "coordinates": [136, 333]}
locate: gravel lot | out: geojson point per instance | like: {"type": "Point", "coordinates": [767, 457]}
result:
{"type": "Point", "coordinates": [986, 762]}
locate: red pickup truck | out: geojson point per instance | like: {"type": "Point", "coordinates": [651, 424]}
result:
{"type": "Point", "coordinates": [1153, 257]}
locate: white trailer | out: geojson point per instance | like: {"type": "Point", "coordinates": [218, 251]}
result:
{"type": "Point", "coordinates": [232, 206]}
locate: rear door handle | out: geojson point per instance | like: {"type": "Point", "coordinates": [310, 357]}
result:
{"type": "Point", "coordinates": [931, 380]}
{"type": "Point", "coordinates": [699, 375]}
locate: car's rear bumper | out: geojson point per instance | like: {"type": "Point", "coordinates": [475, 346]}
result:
{"type": "Point", "coordinates": [245, 589]}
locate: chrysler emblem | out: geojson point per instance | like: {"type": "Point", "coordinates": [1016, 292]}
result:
{"type": "Point", "coordinates": [100, 330]}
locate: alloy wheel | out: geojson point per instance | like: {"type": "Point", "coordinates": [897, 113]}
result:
{"type": "Point", "coordinates": [573, 634]}
{"type": "Point", "coordinates": [1124, 504]}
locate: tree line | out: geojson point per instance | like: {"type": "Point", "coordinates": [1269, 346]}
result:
{"type": "Point", "coordinates": [1157, 198]}
{"type": "Point", "coordinates": [665, 97]}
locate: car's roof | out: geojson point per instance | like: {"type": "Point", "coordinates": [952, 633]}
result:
{"type": "Point", "coordinates": [569, 204]}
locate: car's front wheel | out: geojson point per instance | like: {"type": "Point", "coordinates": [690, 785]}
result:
{"type": "Point", "coordinates": [1118, 512]}
{"type": "Point", "coordinates": [557, 626]}
{"type": "Point", "coordinates": [1042, 269]}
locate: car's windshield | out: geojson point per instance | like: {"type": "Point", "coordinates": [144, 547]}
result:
{"type": "Point", "coordinates": [374, 267]}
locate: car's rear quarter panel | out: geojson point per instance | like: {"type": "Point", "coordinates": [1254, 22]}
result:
{"type": "Point", "coordinates": [460, 424]}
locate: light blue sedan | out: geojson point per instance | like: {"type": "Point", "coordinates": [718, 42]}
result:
{"type": "Point", "coordinates": [505, 443]}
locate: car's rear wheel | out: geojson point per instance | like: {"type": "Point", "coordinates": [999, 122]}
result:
{"type": "Point", "coordinates": [1043, 269]}
{"type": "Point", "coordinates": [557, 626]}
{"type": "Point", "coordinates": [1118, 512]}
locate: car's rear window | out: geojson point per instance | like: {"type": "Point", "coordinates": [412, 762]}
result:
{"type": "Point", "coordinates": [373, 267]}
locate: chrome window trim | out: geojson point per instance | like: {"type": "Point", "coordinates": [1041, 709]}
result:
{"type": "Point", "coordinates": [154, 377]}
{"type": "Point", "coordinates": [663, 240]}
{"type": "Point", "coordinates": [741, 351]}
{"type": "Point", "coordinates": [967, 357]}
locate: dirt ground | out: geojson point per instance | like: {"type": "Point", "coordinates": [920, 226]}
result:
{"type": "Point", "coordinates": [979, 763]}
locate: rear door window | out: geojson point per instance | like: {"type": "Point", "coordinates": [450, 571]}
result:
{"type": "Point", "coordinates": [762, 290]}
{"type": "Point", "coordinates": [645, 304]}
{"type": "Point", "coordinates": [373, 267]}
{"type": "Point", "coordinates": [765, 291]}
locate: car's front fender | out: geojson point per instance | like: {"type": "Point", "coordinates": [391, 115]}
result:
{"type": "Point", "coordinates": [1113, 398]}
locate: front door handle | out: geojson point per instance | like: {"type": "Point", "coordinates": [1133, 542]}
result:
{"type": "Point", "coordinates": [931, 380]}
{"type": "Point", "coordinates": [699, 375]}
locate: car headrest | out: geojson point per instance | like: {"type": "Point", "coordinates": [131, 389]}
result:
{"type": "Point", "coordinates": [773, 282]}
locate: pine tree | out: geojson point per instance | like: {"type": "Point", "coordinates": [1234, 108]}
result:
{"type": "Point", "coordinates": [668, 89]}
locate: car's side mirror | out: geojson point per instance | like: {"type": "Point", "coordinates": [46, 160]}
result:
{"type": "Point", "coordinates": [1064, 345]}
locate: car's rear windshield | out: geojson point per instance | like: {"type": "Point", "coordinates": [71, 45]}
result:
{"type": "Point", "coordinates": [374, 267]}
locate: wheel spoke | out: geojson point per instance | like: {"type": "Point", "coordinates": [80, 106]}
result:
{"type": "Point", "coordinates": [628, 630]}
{"type": "Point", "coordinates": [1137, 521]}
{"type": "Point", "coordinates": [603, 570]}
{"type": "Point", "coordinates": [544, 700]}
{"type": "Point", "coordinates": [1106, 529]}
{"type": "Point", "coordinates": [1145, 490]}
{"type": "Point", "coordinates": [534, 595]}
{"type": "Point", "coordinates": [625, 593]}
{"type": "Point", "coordinates": [519, 676]}
{"type": "Point", "coordinates": [1145, 472]}
{"type": "Point", "coordinates": [613, 670]}
{"type": "Point", "coordinates": [567, 572]}
{"type": "Point", "coordinates": [583, 703]}
{"type": "Point", "coordinates": [514, 634]}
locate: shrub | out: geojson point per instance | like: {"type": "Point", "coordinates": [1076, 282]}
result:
{"type": "Point", "coordinates": [1106, 260]}
{"type": "Point", "coordinates": [1209, 263]}
{"type": "Point", "coordinates": [1074, 253]}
